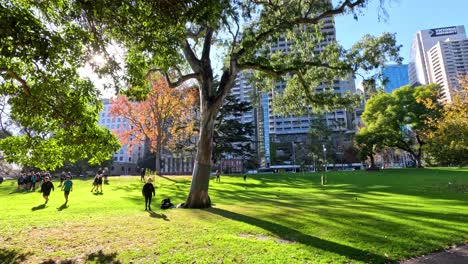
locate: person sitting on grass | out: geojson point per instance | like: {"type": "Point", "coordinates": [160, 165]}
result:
{"type": "Point", "coordinates": [67, 188]}
{"type": "Point", "coordinates": [147, 190]}
{"type": "Point", "coordinates": [46, 187]}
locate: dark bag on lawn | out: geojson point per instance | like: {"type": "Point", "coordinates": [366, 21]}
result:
{"type": "Point", "coordinates": [166, 203]}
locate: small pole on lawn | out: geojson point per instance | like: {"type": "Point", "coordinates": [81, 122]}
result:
{"type": "Point", "coordinates": [323, 178]}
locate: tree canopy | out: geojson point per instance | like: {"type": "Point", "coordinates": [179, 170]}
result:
{"type": "Point", "coordinates": [53, 112]}
{"type": "Point", "coordinates": [399, 119]}
{"type": "Point", "coordinates": [231, 136]}
{"type": "Point", "coordinates": [448, 141]}
{"type": "Point", "coordinates": [162, 120]}
{"type": "Point", "coordinates": [178, 38]}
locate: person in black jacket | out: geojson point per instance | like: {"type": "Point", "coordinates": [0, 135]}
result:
{"type": "Point", "coordinates": [148, 189]}
{"type": "Point", "coordinates": [46, 187]}
{"type": "Point", "coordinates": [142, 174]}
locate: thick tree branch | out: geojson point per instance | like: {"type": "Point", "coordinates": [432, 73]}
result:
{"type": "Point", "coordinates": [346, 4]}
{"type": "Point", "coordinates": [205, 57]}
{"type": "Point", "coordinates": [262, 36]}
{"type": "Point", "coordinates": [15, 76]}
{"type": "Point", "coordinates": [178, 82]}
{"type": "Point", "coordinates": [191, 57]}
{"type": "Point", "coordinates": [279, 71]}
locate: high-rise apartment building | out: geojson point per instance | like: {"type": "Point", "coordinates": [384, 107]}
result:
{"type": "Point", "coordinates": [396, 76]}
{"type": "Point", "coordinates": [291, 129]}
{"type": "Point", "coordinates": [418, 68]}
{"type": "Point", "coordinates": [448, 61]}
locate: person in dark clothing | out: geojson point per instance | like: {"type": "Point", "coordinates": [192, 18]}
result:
{"type": "Point", "coordinates": [142, 174]}
{"type": "Point", "coordinates": [99, 184]}
{"type": "Point", "coordinates": [62, 178]}
{"type": "Point", "coordinates": [148, 189]}
{"type": "Point", "coordinates": [218, 173]}
{"type": "Point", "coordinates": [21, 182]}
{"type": "Point", "coordinates": [46, 187]}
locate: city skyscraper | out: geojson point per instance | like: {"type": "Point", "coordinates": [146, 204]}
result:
{"type": "Point", "coordinates": [424, 40]}
{"type": "Point", "coordinates": [396, 76]}
{"type": "Point", "coordinates": [448, 62]}
{"type": "Point", "coordinates": [289, 130]}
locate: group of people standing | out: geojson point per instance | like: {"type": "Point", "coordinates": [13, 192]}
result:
{"type": "Point", "coordinates": [31, 180]}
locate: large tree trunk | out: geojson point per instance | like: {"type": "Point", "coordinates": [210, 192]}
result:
{"type": "Point", "coordinates": [198, 196]}
{"type": "Point", "coordinates": [372, 161]}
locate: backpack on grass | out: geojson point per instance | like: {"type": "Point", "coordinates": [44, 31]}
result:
{"type": "Point", "coordinates": [166, 203]}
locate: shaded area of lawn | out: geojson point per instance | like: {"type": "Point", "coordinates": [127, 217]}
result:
{"type": "Point", "coordinates": [290, 234]}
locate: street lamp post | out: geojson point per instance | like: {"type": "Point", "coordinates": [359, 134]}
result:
{"type": "Point", "coordinates": [324, 178]}
{"type": "Point", "coordinates": [324, 157]}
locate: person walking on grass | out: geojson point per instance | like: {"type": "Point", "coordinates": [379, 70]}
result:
{"type": "Point", "coordinates": [67, 188]}
{"type": "Point", "coordinates": [142, 174]}
{"type": "Point", "coordinates": [218, 173]}
{"type": "Point", "coordinates": [46, 187]}
{"type": "Point", "coordinates": [99, 184]}
{"type": "Point", "coordinates": [148, 189]}
{"type": "Point", "coordinates": [33, 182]}
{"type": "Point", "coordinates": [95, 183]}
{"type": "Point", "coordinates": [62, 178]}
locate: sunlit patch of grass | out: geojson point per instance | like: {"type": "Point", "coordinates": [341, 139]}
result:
{"type": "Point", "coordinates": [358, 217]}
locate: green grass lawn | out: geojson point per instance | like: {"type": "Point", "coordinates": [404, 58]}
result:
{"type": "Point", "coordinates": [358, 217]}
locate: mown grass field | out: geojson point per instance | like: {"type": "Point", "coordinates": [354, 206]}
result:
{"type": "Point", "coordinates": [358, 217]}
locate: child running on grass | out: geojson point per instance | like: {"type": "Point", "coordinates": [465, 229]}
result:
{"type": "Point", "coordinates": [46, 187]}
{"type": "Point", "coordinates": [67, 188]}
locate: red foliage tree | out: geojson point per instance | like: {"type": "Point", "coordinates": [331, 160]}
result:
{"type": "Point", "coordinates": [163, 119]}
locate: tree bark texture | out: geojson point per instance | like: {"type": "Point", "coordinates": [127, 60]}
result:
{"type": "Point", "coordinates": [198, 196]}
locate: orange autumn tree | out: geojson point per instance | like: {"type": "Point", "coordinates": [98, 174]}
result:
{"type": "Point", "coordinates": [163, 119]}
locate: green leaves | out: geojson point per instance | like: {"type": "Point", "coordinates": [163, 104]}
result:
{"type": "Point", "coordinates": [400, 119]}
{"type": "Point", "coordinates": [54, 109]}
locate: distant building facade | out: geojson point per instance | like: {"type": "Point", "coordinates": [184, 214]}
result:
{"type": "Point", "coordinates": [396, 76]}
{"type": "Point", "coordinates": [448, 62]}
{"type": "Point", "coordinates": [419, 72]}
{"type": "Point", "coordinates": [124, 162]}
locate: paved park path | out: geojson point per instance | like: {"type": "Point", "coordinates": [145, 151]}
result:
{"type": "Point", "coordinates": [455, 255]}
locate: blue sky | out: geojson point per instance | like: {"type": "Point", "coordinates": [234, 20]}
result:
{"type": "Point", "coordinates": [405, 18]}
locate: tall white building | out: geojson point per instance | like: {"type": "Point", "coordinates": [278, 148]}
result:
{"type": "Point", "coordinates": [424, 40]}
{"type": "Point", "coordinates": [124, 162]}
{"type": "Point", "coordinates": [448, 61]}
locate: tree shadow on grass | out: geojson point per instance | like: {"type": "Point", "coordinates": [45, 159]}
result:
{"type": "Point", "coordinates": [11, 256]}
{"type": "Point", "coordinates": [39, 207]}
{"type": "Point", "coordinates": [98, 257]}
{"type": "Point", "coordinates": [289, 234]}
{"type": "Point", "coordinates": [51, 261]}
{"type": "Point", "coordinates": [101, 257]}
{"type": "Point", "coordinates": [155, 215]}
